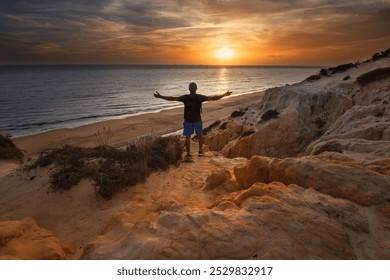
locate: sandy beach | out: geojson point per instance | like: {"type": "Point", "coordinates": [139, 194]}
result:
{"type": "Point", "coordinates": [123, 130]}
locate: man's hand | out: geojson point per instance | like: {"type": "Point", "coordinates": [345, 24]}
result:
{"type": "Point", "coordinates": [228, 93]}
{"type": "Point", "coordinates": [157, 95]}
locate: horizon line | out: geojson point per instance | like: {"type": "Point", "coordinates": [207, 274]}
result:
{"type": "Point", "coordinates": [159, 65]}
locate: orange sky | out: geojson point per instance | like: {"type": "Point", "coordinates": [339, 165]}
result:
{"type": "Point", "coordinates": [260, 32]}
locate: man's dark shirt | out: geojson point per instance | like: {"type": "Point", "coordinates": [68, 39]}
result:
{"type": "Point", "coordinates": [192, 106]}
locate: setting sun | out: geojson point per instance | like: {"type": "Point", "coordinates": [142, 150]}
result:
{"type": "Point", "coordinates": [224, 53]}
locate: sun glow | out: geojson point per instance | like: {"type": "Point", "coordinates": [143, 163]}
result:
{"type": "Point", "coordinates": [224, 53]}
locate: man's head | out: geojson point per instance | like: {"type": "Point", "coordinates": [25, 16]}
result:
{"type": "Point", "coordinates": [192, 87]}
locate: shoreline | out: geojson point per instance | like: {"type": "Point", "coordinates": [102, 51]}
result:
{"type": "Point", "coordinates": [123, 130]}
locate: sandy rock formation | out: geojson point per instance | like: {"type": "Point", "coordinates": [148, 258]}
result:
{"type": "Point", "coordinates": [310, 113]}
{"type": "Point", "coordinates": [266, 221]}
{"type": "Point", "coordinates": [217, 178]}
{"type": "Point", "coordinates": [25, 240]}
{"type": "Point", "coordinates": [301, 118]}
{"type": "Point", "coordinates": [228, 131]}
{"type": "Point", "coordinates": [340, 179]}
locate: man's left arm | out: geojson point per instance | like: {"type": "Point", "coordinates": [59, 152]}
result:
{"type": "Point", "coordinates": [217, 97]}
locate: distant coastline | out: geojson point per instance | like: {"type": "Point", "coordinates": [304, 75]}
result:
{"type": "Point", "coordinates": [38, 98]}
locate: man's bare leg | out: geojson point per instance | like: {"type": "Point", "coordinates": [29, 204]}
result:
{"type": "Point", "coordinates": [201, 141]}
{"type": "Point", "coordinates": [188, 145]}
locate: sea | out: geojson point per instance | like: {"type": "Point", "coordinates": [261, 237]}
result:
{"type": "Point", "coordinates": [38, 98]}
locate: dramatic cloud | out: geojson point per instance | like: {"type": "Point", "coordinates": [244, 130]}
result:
{"type": "Point", "coordinates": [182, 32]}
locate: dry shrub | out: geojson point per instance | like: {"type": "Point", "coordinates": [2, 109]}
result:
{"type": "Point", "coordinates": [8, 149]}
{"type": "Point", "coordinates": [111, 169]}
{"type": "Point", "coordinates": [103, 136]}
{"type": "Point", "coordinates": [341, 68]}
{"type": "Point", "coordinates": [313, 78]}
{"type": "Point", "coordinates": [325, 72]}
{"type": "Point", "coordinates": [208, 129]}
{"type": "Point", "coordinates": [269, 115]}
{"type": "Point", "coordinates": [67, 155]}
{"type": "Point", "coordinates": [346, 78]}
{"type": "Point", "coordinates": [65, 178]}
{"type": "Point", "coordinates": [112, 178]}
{"type": "Point", "coordinates": [239, 113]}
{"type": "Point", "coordinates": [159, 153]}
{"type": "Point", "coordinates": [373, 76]}
{"type": "Point", "coordinates": [381, 55]}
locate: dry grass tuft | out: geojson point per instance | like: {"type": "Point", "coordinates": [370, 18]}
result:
{"type": "Point", "coordinates": [8, 149]}
{"type": "Point", "coordinates": [103, 136]}
{"type": "Point", "coordinates": [111, 169]}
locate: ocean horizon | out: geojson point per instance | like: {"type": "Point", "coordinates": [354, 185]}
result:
{"type": "Point", "coordinates": [38, 98]}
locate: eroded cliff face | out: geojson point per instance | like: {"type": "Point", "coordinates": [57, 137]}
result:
{"type": "Point", "coordinates": [266, 221]}
{"type": "Point", "coordinates": [308, 178]}
{"type": "Point", "coordinates": [310, 114]}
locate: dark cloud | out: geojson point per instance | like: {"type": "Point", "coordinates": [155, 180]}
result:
{"type": "Point", "coordinates": [330, 27]}
{"type": "Point", "coordinates": [123, 30]}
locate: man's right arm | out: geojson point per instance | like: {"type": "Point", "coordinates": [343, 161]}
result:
{"type": "Point", "coordinates": [169, 98]}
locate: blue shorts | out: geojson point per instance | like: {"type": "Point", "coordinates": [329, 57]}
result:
{"type": "Point", "coordinates": [189, 128]}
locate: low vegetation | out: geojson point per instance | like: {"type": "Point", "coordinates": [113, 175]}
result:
{"type": "Point", "coordinates": [112, 170]}
{"type": "Point", "coordinates": [373, 76]}
{"type": "Point", "coordinates": [341, 68]}
{"type": "Point", "coordinates": [380, 55]}
{"type": "Point", "coordinates": [103, 136]}
{"type": "Point", "coordinates": [239, 113]}
{"type": "Point", "coordinates": [269, 115]}
{"type": "Point", "coordinates": [313, 78]}
{"type": "Point", "coordinates": [211, 127]}
{"type": "Point", "coordinates": [8, 150]}
{"type": "Point", "coordinates": [330, 71]}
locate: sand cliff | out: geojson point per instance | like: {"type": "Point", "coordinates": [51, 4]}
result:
{"type": "Point", "coordinates": [303, 173]}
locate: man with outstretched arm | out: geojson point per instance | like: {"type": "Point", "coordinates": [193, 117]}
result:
{"type": "Point", "coordinates": [192, 114]}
